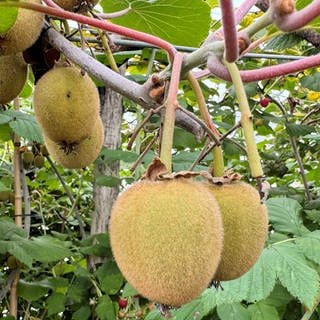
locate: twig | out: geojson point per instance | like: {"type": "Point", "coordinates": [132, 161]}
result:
{"type": "Point", "coordinates": [70, 196]}
{"type": "Point", "coordinates": [147, 148]}
{"type": "Point", "coordinates": [116, 14]}
{"type": "Point", "coordinates": [26, 200]}
{"type": "Point", "coordinates": [136, 131]}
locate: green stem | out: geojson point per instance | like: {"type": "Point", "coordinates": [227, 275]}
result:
{"type": "Point", "coordinates": [218, 162]}
{"type": "Point", "coordinates": [246, 121]}
{"type": "Point", "coordinates": [108, 52]}
{"type": "Point", "coordinates": [171, 105]}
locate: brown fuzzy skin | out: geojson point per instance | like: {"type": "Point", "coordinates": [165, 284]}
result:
{"type": "Point", "coordinates": [13, 75]}
{"type": "Point", "coordinates": [166, 238]}
{"type": "Point", "coordinates": [66, 104]}
{"type": "Point", "coordinates": [24, 33]}
{"type": "Point", "coordinates": [79, 155]}
{"type": "Point", "coordinates": [76, 5]}
{"type": "Point", "coordinates": [245, 223]}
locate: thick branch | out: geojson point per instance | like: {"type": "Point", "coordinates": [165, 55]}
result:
{"type": "Point", "coordinates": [116, 82]}
{"type": "Point", "coordinates": [229, 31]}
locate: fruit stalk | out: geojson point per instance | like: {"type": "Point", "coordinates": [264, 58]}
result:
{"type": "Point", "coordinates": [218, 163]}
{"type": "Point", "coordinates": [171, 105]}
{"type": "Point", "coordinates": [246, 121]}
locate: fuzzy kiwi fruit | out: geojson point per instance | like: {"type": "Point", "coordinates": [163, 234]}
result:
{"type": "Point", "coordinates": [23, 33]}
{"type": "Point", "coordinates": [38, 160]}
{"type": "Point", "coordinates": [166, 238]}
{"type": "Point", "coordinates": [76, 5]}
{"type": "Point", "coordinates": [13, 75]}
{"type": "Point", "coordinates": [245, 223]}
{"type": "Point", "coordinates": [66, 104]}
{"type": "Point", "coordinates": [78, 155]}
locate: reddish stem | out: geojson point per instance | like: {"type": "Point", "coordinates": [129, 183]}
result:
{"type": "Point", "coordinates": [299, 19]}
{"type": "Point", "coordinates": [104, 25]}
{"type": "Point", "coordinates": [218, 69]}
{"type": "Point", "coordinates": [230, 32]}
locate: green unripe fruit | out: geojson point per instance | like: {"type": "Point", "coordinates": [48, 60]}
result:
{"type": "Point", "coordinates": [13, 75]}
{"type": "Point", "coordinates": [79, 155]}
{"type": "Point", "coordinates": [5, 195]}
{"type": "Point", "coordinates": [28, 157]}
{"type": "Point", "coordinates": [38, 161]}
{"type": "Point", "coordinates": [245, 224]}
{"type": "Point", "coordinates": [166, 238]}
{"type": "Point", "coordinates": [66, 104]}
{"type": "Point", "coordinates": [24, 33]}
{"type": "Point", "coordinates": [12, 262]}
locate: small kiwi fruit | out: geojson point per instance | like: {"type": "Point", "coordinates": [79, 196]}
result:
{"type": "Point", "coordinates": [166, 238]}
{"type": "Point", "coordinates": [66, 104]}
{"type": "Point", "coordinates": [76, 5]}
{"type": "Point", "coordinates": [24, 33]}
{"type": "Point", "coordinates": [13, 75]}
{"type": "Point", "coordinates": [245, 223]}
{"type": "Point", "coordinates": [38, 160]}
{"type": "Point", "coordinates": [5, 195]}
{"type": "Point", "coordinates": [78, 155]}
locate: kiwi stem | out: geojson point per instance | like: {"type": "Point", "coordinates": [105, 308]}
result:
{"type": "Point", "coordinates": [108, 52]}
{"type": "Point", "coordinates": [17, 212]}
{"type": "Point", "coordinates": [218, 162]}
{"type": "Point", "coordinates": [171, 105]}
{"type": "Point", "coordinates": [246, 121]}
{"type": "Point", "coordinates": [101, 24]}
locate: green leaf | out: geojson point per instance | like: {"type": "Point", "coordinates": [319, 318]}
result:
{"type": "Point", "coordinates": [189, 311]}
{"type": "Point", "coordinates": [15, 248]}
{"type": "Point", "coordinates": [8, 17]}
{"type": "Point", "coordinates": [5, 132]}
{"type": "Point", "coordinates": [161, 18]}
{"type": "Point", "coordinates": [47, 249]}
{"type": "Point", "coordinates": [108, 181]}
{"type": "Point", "coordinates": [285, 215]}
{"type": "Point", "coordinates": [154, 315]}
{"type": "Point", "coordinates": [24, 125]}
{"type": "Point", "coordinates": [311, 82]}
{"type": "Point", "coordinates": [284, 41]}
{"type": "Point", "coordinates": [309, 244]}
{"type": "Point", "coordinates": [9, 230]}
{"type": "Point", "coordinates": [105, 309]}
{"type": "Point", "coordinates": [184, 139]}
{"type": "Point", "coordinates": [297, 130]}
{"type": "Point", "coordinates": [235, 311]}
{"type": "Point", "coordinates": [56, 303]}
{"type": "Point", "coordinates": [31, 291]}
{"type": "Point", "coordinates": [83, 313]}
{"type": "Point", "coordinates": [255, 285]}
{"type": "Point", "coordinates": [294, 273]}
{"type": "Point", "coordinates": [263, 311]}
{"type": "Point", "coordinates": [110, 277]}
{"type": "Point", "coordinates": [113, 155]}
{"type": "Point", "coordinates": [129, 291]}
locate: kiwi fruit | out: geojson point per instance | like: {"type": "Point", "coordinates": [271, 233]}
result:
{"type": "Point", "coordinates": [78, 155]}
{"type": "Point", "coordinates": [76, 5]}
{"type": "Point", "coordinates": [13, 75]}
{"type": "Point", "coordinates": [66, 104]}
{"type": "Point", "coordinates": [24, 33]}
{"type": "Point", "coordinates": [38, 160]}
{"type": "Point", "coordinates": [5, 195]}
{"type": "Point", "coordinates": [245, 224]}
{"type": "Point", "coordinates": [166, 238]}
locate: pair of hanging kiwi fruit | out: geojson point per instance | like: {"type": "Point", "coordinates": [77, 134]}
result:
{"type": "Point", "coordinates": [172, 238]}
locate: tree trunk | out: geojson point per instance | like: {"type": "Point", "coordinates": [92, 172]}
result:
{"type": "Point", "coordinates": [104, 197]}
